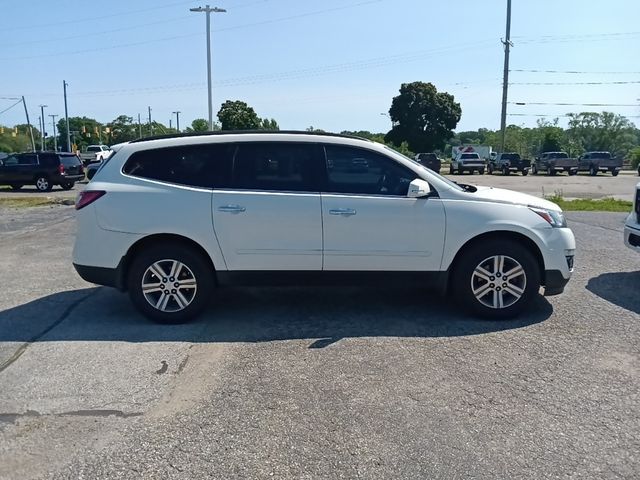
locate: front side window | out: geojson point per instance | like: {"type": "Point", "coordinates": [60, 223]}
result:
{"type": "Point", "coordinates": [359, 171]}
{"type": "Point", "coordinates": [10, 161]}
{"type": "Point", "coordinates": [293, 167]}
{"type": "Point", "coordinates": [207, 166]}
{"type": "Point", "coordinates": [27, 159]}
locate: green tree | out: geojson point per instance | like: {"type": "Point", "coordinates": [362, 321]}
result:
{"type": "Point", "coordinates": [122, 129]}
{"type": "Point", "coordinates": [634, 156]}
{"type": "Point", "coordinates": [199, 125]}
{"type": "Point", "coordinates": [237, 115]}
{"type": "Point", "coordinates": [422, 117]}
{"type": "Point", "coordinates": [269, 124]}
{"type": "Point", "coordinates": [602, 131]}
{"type": "Point", "coordinates": [84, 131]}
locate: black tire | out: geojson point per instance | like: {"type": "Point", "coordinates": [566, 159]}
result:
{"type": "Point", "coordinates": [481, 171]}
{"type": "Point", "coordinates": [43, 184]}
{"type": "Point", "coordinates": [16, 187]}
{"type": "Point", "coordinates": [505, 171]}
{"type": "Point", "coordinates": [451, 170]}
{"type": "Point", "coordinates": [534, 169]}
{"type": "Point", "coordinates": [572, 172]}
{"type": "Point", "coordinates": [551, 171]}
{"type": "Point", "coordinates": [67, 186]}
{"type": "Point", "coordinates": [198, 270]}
{"type": "Point", "coordinates": [525, 173]}
{"type": "Point", "coordinates": [615, 173]}
{"type": "Point", "coordinates": [463, 280]}
{"type": "Point", "coordinates": [593, 171]}
{"type": "Point", "coordinates": [490, 170]}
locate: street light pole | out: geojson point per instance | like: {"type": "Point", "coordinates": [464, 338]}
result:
{"type": "Point", "coordinates": [55, 141]}
{"type": "Point", "coordinates": [177, 120]}
{"type": "Point", "coordinates": [505, 77]}
{"type": "Point", "coordinates": [208, 11]}
{"type": "Point", "coordinates": [43, 127]}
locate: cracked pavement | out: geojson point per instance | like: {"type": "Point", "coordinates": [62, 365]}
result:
{"type": "Point", "coordinates": [315, 383]}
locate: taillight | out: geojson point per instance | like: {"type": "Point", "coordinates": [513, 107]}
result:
{"type": "Point", "coordinates": [61, 169]}
{"type": "Point", "coordinates": [87, 197]}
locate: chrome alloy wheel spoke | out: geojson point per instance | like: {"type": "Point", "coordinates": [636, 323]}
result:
{"type": "Point", "coordinates": [169, 285]}
{"type": "Point", "coordinates": [498, 281]}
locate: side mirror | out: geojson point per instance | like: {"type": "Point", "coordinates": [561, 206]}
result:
{"type": "Point", "coordinates": [418, 188]}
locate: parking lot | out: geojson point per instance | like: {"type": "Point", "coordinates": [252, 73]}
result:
{"type": "Point", "coordinates": [319, 383]}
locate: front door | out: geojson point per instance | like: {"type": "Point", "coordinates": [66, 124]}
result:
{"type": "Point", "coordinates": [369, 223]}
{"type": "Point", "coordinates": [270, 219]}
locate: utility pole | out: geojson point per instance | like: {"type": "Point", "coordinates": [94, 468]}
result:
{"type": "Point", "coordinates": [42, 133]}
{"type": "Point", "coordinates": [170, 123]}
{"type": "Point", "coordinates": [208, 11]}
{"type": "Point", "coordinates": [177, 120]}
{"type": "Point", "coordinates": [66, 115]}
{"type": "Point", "coordinates": [55, 141]}
{"type": "Point", "coordinates": [150, 124]}
{"type": "Point", "coordinates": [26, 112]}
{"type": "Point", "coordinates": [139, 127]}
{"type": "Point", "coordinates": [505, 80]}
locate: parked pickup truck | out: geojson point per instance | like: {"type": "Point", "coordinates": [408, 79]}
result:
{"type": "Point", "coordinates": [594, 162]}
{"type": "Point", "coordinates": [95, 153]}
{"type": "Point", "coordinates": [467, 162]}
{"type": "Point", "coordinates": [507, 163]}
{"type": "Point", "coordinates": [554, 162]}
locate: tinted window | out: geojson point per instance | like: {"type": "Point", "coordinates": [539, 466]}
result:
{"type": "Point", "coordinates": [48, 159]}
{"type": "Point", "coordinates": [206, 166]}
{"type": "Point", "coordinates": [353, 170]}
{"type": "Point", "coordinates": [10, 160]}
{"type": "Point", "coordinates": [279, 166]}
{"type": "Point", "coordinates": [511, 156]}
{"type": "Point", "coordinates": [605, 155]}
{"type": "Point", "coordinates": [469, 155]}
{"type": "Point", "coordinates": [93, 149]}
{"type": "Point", "coordinates": [27, 159]}
{"type": "Point", "coordinates": [558, 155]}
{"type": "Point", "coordinates": [69, 160]}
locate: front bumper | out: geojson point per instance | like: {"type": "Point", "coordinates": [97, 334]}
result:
{"type": "Point", "coordinates": [632, 236]}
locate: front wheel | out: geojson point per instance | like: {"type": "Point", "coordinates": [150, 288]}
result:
{"type": "Point", "coordinates": [505, 171]}
{"type": "Point", "coordinates": [573, 172]}
{"type": "Point", "coordinates": [534, 170]}
{"type": "Point", "coordinates": [525, 172]}
{"type": "Point", "coordinates": [551, 171]}
{"type": "Point", "coordinates": [496, 279]}
{"type": "Point", "coordinates": [43, 184]}
{"type": "Point", "coordinates": [170, 283]}
{"type": "Point", "coordinates": [614, 173]}
{"type": "Point", "coordinates": [67, 186]}
{"type": "Point", "coordinates": [593, 171]}
{"type": "Point", "coordinates": [451, 170]}
{"type": "Point", "coordinates": [481, 171]}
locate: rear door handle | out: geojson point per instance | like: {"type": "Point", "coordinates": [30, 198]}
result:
{"type": "Point", "coordinates": [232, 209]}
{"type": "Point", "coordinates": [345, 212]}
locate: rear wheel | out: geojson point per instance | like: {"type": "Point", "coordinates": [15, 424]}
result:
{"type": "Point", "coordinates": [505, 171]}
{"type": "Point", "coordinates": [551, 171]}
{"type": "Point", "coordinates": [572, 172]}
{"type": "Point", "coordinates": [593, 171]}
{"type": "Point", "coordinates": [67, 186]}
{"type": "Point", "coordinates": [170, 283]}
{"type": "Point", "coordinates": [450, 169]}
{"type": "Point", "coordinates": [525, 172]}
{"type": "Point", "coordinates": [534, 169]}
{"type": "Point", "coordinates": [496, 279]}
{"type": "Point", "coordinates": [614, 173]}
{"type": "Point", "coordinates": [481, 171]}
{"type": "Point", "coordinates": [43, 184]}
{"type": "Point", "coordinates": [16, 187]}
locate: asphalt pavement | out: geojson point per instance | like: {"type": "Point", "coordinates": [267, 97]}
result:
{"type": "Point", "coordinates": [315, 383]}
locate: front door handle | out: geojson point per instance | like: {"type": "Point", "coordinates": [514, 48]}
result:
{"type": "Point", "coordinates": [232, 209]}
{"type": "Point", "coordinates": [345, 212]}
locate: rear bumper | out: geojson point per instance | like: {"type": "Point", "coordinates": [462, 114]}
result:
{"type": "Point", "coordinates": [109, 277]}
{"type": "Point", "coordinates": [632, 237]}
{"type": "Point", "coordinates": [69, 178]}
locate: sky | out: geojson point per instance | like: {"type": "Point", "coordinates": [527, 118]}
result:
{"type": "Point", "coordinates": [334, 65]}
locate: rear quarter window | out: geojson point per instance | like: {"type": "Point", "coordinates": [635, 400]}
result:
{"type": "Point", "coordinates": [70, 160]}
{"type": "Point", "coordinates": [207, 166]}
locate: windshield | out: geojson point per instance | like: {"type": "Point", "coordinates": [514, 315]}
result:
{"type": "Point", "coordinates": [511, 156]}
{"type": "Point", "coordinates": [605, 155]}
{"type": "Point", "coordinates": [453, 185]}
{"type": "Point", "coordinates": [558, 155]}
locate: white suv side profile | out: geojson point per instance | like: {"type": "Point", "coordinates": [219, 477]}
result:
{"type": "Point", "coordinates": [176, 217]}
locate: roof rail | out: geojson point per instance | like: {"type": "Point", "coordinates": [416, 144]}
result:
{"type": "Point", "coordinates": [245, 132]}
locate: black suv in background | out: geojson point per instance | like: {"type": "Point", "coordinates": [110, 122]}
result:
{"type": "Point", "coordinates": [42, 169]}
{"type": "Point", "coordinates": [429, 160]}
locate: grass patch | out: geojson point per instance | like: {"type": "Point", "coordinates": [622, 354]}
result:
{"type": "Point", "coordinates": [26, 202]}
{"type": "Point", "coordinates": [591, 205]}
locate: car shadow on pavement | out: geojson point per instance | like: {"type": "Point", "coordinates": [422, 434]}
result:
{"type": "Point", "coordinates": [322, 315]}
{"type": "Point", "coordinates": [619, 288]}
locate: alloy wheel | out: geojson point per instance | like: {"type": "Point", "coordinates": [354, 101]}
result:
{"type": "Point", "coordinates": [498, 281]}
{"type": "Point", "coordinates": [169, 285]}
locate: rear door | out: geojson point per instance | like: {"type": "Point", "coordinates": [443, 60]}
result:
{"type": "Point", "coordinates": [72, 164]}
{"type": "Point", "coordinates": [270, 218]}
{"type": "Point", "coordinates": [369, 223]}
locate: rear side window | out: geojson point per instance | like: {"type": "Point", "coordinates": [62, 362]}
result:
{"type": "Point", "coordinates": [293, 167]}
{"type": "Point", "coordinates": [69, 160]}
{"type": "Point", "coordinates": [207, 166]}
{"type": "Point", "coordinates": [48, 160]}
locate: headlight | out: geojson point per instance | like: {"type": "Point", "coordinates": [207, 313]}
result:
{"type": "Point", "coordinates": [553, 217]}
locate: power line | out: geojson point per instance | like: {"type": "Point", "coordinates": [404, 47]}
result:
{"type": "Point", "coordinates": [576, 83]}
{"type": "Point", "coordinates": [176, 37]}
{"type": "Point", "coordinates": [7, 109]}
{"type": "Point", "coordinates": [577, 35]}
{"type": "Point", "coordinates": [575, 71]}
{"type": "Point", "coordinates": [554, 115]}
{"type": "Point", "coordinates": [578, 104]}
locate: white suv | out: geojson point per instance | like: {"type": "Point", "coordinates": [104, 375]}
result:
{"type": "Point", "coordinates": [176, 217]}
{"type": "Point", "coordinates": [632, 224]}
